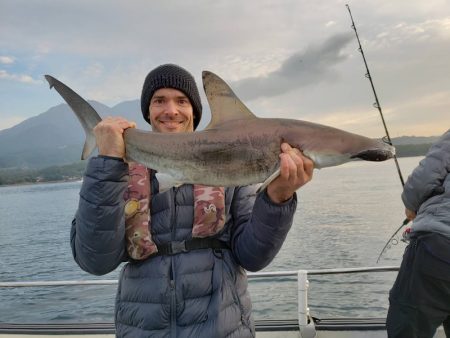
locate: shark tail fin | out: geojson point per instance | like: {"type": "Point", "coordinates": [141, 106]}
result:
{"type": "Point", "coordinates": [89, 145]}
{"type": "Point", "coordinates": [87, 115]}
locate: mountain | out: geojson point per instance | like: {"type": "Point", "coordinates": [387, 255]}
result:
{"type": "Point", "coordinates": [56, 137]}
{"type": "Point", "coordinates": [413, 140]}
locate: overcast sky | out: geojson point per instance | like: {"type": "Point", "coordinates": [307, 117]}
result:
{"type": "Point", "coordinates": [286, 58]}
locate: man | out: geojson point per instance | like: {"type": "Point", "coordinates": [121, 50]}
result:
{"type": "Point", "coordinates": [165, 291]}
{"type": "Point", "coordinates": [420, 297]}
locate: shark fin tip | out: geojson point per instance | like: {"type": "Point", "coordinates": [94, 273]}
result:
{"type": "Point", "coordinates": [49, 80]}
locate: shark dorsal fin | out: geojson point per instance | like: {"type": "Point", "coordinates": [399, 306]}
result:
{"type": "Point", "coordinates": [223, 102]}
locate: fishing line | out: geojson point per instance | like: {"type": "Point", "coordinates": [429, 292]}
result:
{"type": "Point", "coordinates": [387, 138]}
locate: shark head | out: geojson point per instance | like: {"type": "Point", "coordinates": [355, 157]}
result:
{"type": "Point", "coordinates": [383, 153]}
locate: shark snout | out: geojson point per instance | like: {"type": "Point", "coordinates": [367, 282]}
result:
{"type": "Point", "coordinates": [377, 154]}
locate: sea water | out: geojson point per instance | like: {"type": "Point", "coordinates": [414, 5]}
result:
{"type": "Point", "coordinates": [344, 218]}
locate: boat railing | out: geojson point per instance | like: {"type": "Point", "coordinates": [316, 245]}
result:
{"type": "Point", "coordinates": [305, 322]}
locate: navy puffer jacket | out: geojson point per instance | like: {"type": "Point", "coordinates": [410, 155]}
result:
{"type": "Point", "coordinates": [200, 293]}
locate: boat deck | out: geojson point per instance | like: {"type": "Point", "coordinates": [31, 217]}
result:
{"type": "Point", "coordinates": [325, 328]}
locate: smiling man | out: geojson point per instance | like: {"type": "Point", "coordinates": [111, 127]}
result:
{"type": "Point", "coordinates": [170, 101]}
{"type": "Point", "coordinates": [186, 247]}
{"type": "Point", "coordinates": [171, 111]}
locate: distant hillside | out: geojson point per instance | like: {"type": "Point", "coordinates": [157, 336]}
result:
{"type": "Point", "coordinates": [407, 146]}
{"type": "Point", "coordinates": [413, 140]}
{"type": "Point", "coordinates": [50, 174]}
{"type": "Point", "coordinates": [408, 150]}
{"type": "Point", "coordinates": [54, 137]}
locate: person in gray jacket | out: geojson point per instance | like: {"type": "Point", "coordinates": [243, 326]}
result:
{"type": "Point", "coordinates": [188, 282]}
{"type": "Point", "coordinates": [420, 297]}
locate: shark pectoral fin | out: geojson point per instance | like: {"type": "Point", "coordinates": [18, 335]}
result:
{"type": "Point", "coordinates": [166, 182]}
{"type": "Point", "coordinates": [268, 181]}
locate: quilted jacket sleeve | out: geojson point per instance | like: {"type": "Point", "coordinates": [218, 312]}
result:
{"type": "Point", "coordinates": [260, 228]}
{"type": "Point", "coordinates": [426, 180]}
{"type": "Point", "coordinates": [98, 230]}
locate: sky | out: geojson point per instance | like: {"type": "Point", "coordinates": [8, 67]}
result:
{"type": "Point", "coordinates": [288, 58]}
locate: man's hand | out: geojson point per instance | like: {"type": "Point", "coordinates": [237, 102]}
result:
{"type": "Point", "coordinates": [295, 171]}
{"type": "Point", "coordinates": [109, 136]}
{"type": "Point", "coordinates": [410, 215]}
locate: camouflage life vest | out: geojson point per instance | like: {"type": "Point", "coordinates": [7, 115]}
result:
{"type": "Point", "coordinates": [209, 212]}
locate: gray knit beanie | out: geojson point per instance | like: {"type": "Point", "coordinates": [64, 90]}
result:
{"type": "Point", "coordinates": [171, 76]}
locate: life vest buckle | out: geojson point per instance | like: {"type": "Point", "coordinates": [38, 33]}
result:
{"type": "Point", "coordinates": [177, 247]}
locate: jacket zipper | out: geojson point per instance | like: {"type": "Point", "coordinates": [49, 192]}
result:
{"type": "Point", "coordinates": [173, 304]}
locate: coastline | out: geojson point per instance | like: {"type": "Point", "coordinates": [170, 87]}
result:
{"type": "Point", "coordinates": [74, 171]}
{"type": "Point", "coordinates": [52, 174]}
{"type": "Point", "coordinates": [36, 177]}
{"type": "Point", "coordinates": [77, 179]}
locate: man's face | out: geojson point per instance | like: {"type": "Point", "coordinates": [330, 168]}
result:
{"type": "Point", "coordinates": [171, 111]}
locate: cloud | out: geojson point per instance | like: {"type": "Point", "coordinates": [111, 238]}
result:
{"type": "Point", "coordinates": [414, 35]}
{"type": "Point", "coordinates": [6, 60]}
{"type": "Point", "coordinates": [23, 78]}
{"type": "Point", "coordinates": [95, 69]}
{"type": "Point", "coordinates": [314, 65]}
{"type": "Point", "coordinates": [274, 55]}
{"type": "Point", "coordinates": [10, 121]}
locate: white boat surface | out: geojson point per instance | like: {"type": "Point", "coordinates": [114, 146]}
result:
{"type": "Point", "coordinates": [304, 326]}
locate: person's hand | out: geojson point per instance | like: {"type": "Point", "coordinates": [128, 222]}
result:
{"type": "Point", "coordinates": [410, 215]}
{"type": "Point", "coordinates": [295, 171]}
{"type": "Point", "coordinates": [109, 136]}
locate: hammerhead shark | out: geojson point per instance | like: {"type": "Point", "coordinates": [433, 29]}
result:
{"type": "Point", "coordinates": [236, 148]}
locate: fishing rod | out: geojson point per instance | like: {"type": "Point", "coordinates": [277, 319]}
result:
{"type": "Point", "coordinates": [387, 138]}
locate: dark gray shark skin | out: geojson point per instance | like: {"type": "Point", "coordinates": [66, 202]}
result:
{"type": "Point", "coordinates": [236, 148]}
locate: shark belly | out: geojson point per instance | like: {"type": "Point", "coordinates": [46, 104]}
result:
{"type": "Point", "coordinates": [210, 163]}
{"type": "Point", "coordinates": [324, 160]}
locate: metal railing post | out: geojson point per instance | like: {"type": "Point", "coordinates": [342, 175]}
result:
{"type": "Point", "coordinates": [302, 289]}
{"type": "Point", "coordinates": [305, 323]}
